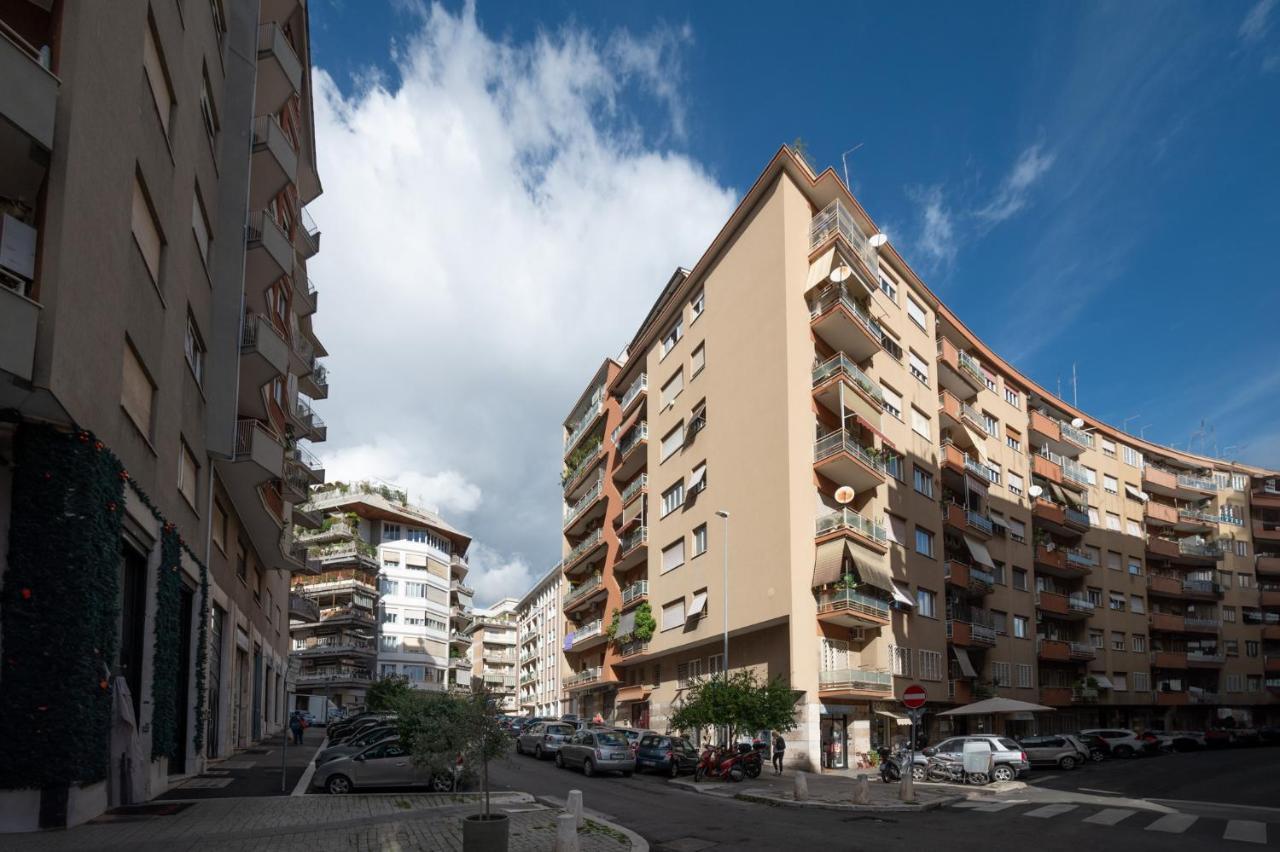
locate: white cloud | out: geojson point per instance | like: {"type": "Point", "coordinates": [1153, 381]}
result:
{"type": "Point", "coordinates": [493, 228]}
{"type": "Point", "coordinates": [1011, 197]}
{"type": "Point", "coordinates": [494, 576]}
{"type": "Point", "coordinates": [1256, 23]}
{"type": "Point", "coordinates": [936, 240]}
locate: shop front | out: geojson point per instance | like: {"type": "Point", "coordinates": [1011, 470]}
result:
{"type": "Point", "coordinates": [844, 733]}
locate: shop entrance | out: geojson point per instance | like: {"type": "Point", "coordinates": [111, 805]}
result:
{"type": "Point", "coordinates": [835, 741]}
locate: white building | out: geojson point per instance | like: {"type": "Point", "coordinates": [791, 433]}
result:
{"type": "Point", "coordinates": [541, 635]}
{"type": "Point", "coordinates": [494, 634]}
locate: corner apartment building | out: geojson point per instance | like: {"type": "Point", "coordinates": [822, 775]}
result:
{"type": "Point", "coordinates": [896, 504]}
{"type": "Point", "coordinates": [155, 334]}
{"type": "Point", "coordinates": [389, 579]}
{"type": "Point", "coordinates": [494, 633]}
{"type": "Point", "coordinates": [541, 660]}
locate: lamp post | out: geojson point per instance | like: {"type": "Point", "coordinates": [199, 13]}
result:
{"type": "Point", "coordinates": [724, 515]}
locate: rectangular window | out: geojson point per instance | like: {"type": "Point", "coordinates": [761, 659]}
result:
{"type": "Point", "coordinates": [1113, 521]}
{"type": "Point", "coordinates": [919, 423]}
{"type": "Point", "coordinates": [1020, 626]}
{"type": "Point", "coordinates": [991, 425]}
{"type": "Point", "coordinates": [200, 226]}
{"type": "Point", "coordinates": [672, 389]}
{"type": "Point", "coordinates": [1250, 648]}
{"type": "Point", "coordinates": [1235, 682]}
{"type": "Point", "coordinates": [1114, 560]}
{"type": "Point", "coordinates": [697, 481]}
{"type": "Point", "coordinates": [672, 441]}
{"type": "Point", "coordinates": [917, 314]}
{"type": "Point", "coordinates": [188, 473]}
{"type": "Point", "coordinates": [1094, 520]}
{"type": "Point", "coordinates": [922, 480]}
{"type": "Point", "coordinates": [1228, 615]}
{"type": "Point", "coordinates": [1024, 675]}
{"type": "Point", "coordinates": [391, 532]}
{"type": "Point", "coordinates": [1015, 484]}
{"type": "Point", "coordinates": [1012, 443]}
{"type": "Point", "coordinates": [1137, 605]}
{"type": "Point", "coordinates": [1132, 457]}
{"type": "Point", "coordinates": [697, 305]}
{"type": "Point", "coordinates": [698, 360]}
{"type": "Point", "coordinates": [137, 394]}
{"type": "Point", "coordinates": [1231, 647]}
{"type": "Point", "coordinates": [892, 401]}
{"type": "Point", "coordinates": [699, 539]}
{"type": "Point", "coordinates": [1119, 682]}
{"type": "Point", "coordinates": [673, 498]}
{"type": "Point", "coordinates": [1239, 481]}
{"type": "Point", "coordinates": [146, 229]}
{"type": "Point", "coordinates": [1001, 674]}
{"type": "Point", "coordinates": [926, 603]}
{"type": "Point", "coordinates": [1096, 639]}
{"type": "Point", "coordinates": [673, 555]}
{"type": "Point", "coordinates": [1242, 548]}
{"type": "Point", "coordinates": [1090, 475]}
{"type": "Point", "coordinates": [1141, 682]}
{"type": "Point", "coordinates": [1110, 484]}
{"type": "Point", "coordinates": [673, 615]}
{"type": "Point", "coordinates": [886, 287]}
{"type": "Point", "coordinates": [157, 76]}
{"type": "Point", "coordinates": [208, 113]}
{"type": "Point", "coordinates": [1244, 581]}
{"type": "Point", "coordinates": [1017, 530]}
{"type": "Point", "coordinates": [919, 368]}
{"type": "Point", "coordinates": [1139, 643]}
{"type": "Point", "coordinates": [1094, 595]}
{"type": "Point", "coordinates": [1133, 528]}
{"type": "Point", "coordinates": [1115, 601]}
{"type": "Point", "coordinates": [997, 571]}
{"type": "Point", "coordinates": [193, 348]}
{"type": "Point", "coordinates": [900, 658]}
{"type": "Point", "coordinates": [893, 463]}
{"type": "Point", "coordinates": [697, 609]}
{"type": "Point", "coordinates": [219, 526]}
{"type": "Point", "coordinates": [1108, 448]}
{"type": "Point", "coordinates": [930, 665]}
{"type": "Point", "coordinates": [1135, 567]}
{"type": "Point", "coordinates": [669, 340]}
{"type": "Point", "coordinates": [1012, 397]}
{"type": "Point", "coordinates": [1020, 579]}
{"type": "Point", "coordinates": [1000, 622]}
{"type": "Point", "coordinates": [1117, 640]}
{"type": "Point", "coordinates": [989, 380]}
{"type": "Point", "coordinates": [896, 528]}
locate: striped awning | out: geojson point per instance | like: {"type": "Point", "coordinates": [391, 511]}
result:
{"type": "Point", "coordinates": [820, 270]}
{"type": "Point", "coordinates": [979, 552]}
{"type": "Point", "coordinates": [872, 569]}
{"type": "Point", "coordinates": [829, 563]}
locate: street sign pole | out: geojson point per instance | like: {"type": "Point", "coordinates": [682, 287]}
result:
{"type": "Point", "coordinates": [913, 697]}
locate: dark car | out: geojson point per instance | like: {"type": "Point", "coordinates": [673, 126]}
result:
{"type": "Point", "coordinates": [358, 743]}
{"type": "Point", "coordinates": [346, 726]}
{"type": "Point", "coordinates": [346, 735]}
{"type": "Point", "coordinates": [671, 756]}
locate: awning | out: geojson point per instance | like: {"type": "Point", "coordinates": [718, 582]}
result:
{"type": "Point", "coordinates": [1103, 681]}
{"type": "Point", "coordinates": [1021, 716]}
{"type": "Point", "coordinates": [871, 569]}
{"type": "Point", "coordinates": [975, 484]}
{"type": "Point", "coordinates": [897, 717]}
{"type": "Point", "coordinates": [979, 439]}
{"type": "Point", "coordinates": [632, 510]}
{"type": "Point", "coordinates": [901, 596]}
{"type": "Point", "coordinates": [962, 658]}
{"type": "Point", "coordinates": [626, 623]}
{"type": "Point", "coordinates": [820, 270]}
{"type": "Point", "coordinates": [1135, 493]}
{"type": "Point", "coordinates": [697, 607]}
{"type": "Point", "coordinates": [829, 561]}
{"type": "Point", "coordinates": [979, 551]}
{"type": "Point", "coordinates": [1063, 497]}
{"type": "Point", "coordinates": [624, 698]}
{"type": "Point", "coordinates": [996, 705]}
{"type": "Point", "coordinates": [695, 481]}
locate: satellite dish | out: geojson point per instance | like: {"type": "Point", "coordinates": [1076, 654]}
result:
{"type": "Point", "coordinates": [844, 495]}
{"type": "Point", "coordinates": [878, 240]}
{"type": "Point", "coordinates": [1077, 422]}
{"type": "Point", "coordinates": [1035, 491]}
{"type": "Point", "coordinates": [841, 273]}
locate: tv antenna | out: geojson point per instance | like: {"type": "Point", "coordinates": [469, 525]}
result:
{"type": "Point", "coordinates": [844, 159]}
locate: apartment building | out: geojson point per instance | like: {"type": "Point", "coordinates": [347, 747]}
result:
{"type": "Point", "coordinates": [389, 575]}
{"type": "Point", "coordinates": [494, 635]}
{"type": "Point", "coordinates": [892, 503]}
{"type": "Point", "coordinates": [155, 332]}
{"type": "Point", "coordinates": [541, 660]}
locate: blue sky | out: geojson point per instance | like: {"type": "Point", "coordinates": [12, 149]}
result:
{"type": "Point", "coordinates": [1081, 182]}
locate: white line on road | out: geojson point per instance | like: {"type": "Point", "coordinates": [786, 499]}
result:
{"type": "Point", "coordinates": [995, 807]}
{"type": "Point", "coordinates": [1246, 831]}
{"type": "Point", "coordinates": [1110, 816]}
{"type": "Point", "coordinates": [1095, 790]}
{"type": "Point", "coordinates": [1173, 823]}
{"type": "Point", "coordinates": [1049, 811]}
{"type": "Point", "coordinates": [300, 789]}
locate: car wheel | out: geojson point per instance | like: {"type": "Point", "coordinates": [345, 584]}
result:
{"type": "Point", "coordinates": [698, 774]}
{"type": "Point", "coordinates": [918, 773]}
{"type": "Point", "coordinates": [559, 760]}
{"type": "Point", "coordinates": [1123, 751]}
{"type": "Point", "coordinates": [1003, 773]}
{"type": "Point", "coordinates": [588, 768]}
{"type": "Point", "coordinates": [1097, 755]}
{"type": "Point", "coordinates": [338, 784]}
{"type": "Point", "coordinates": [537, 752]}
{"type": "Point", "coordinates": [1067, 762]}
{"type": "Point", "coordinates": [441, 784]}
{"type": "Point", "coordinates": [519, 748]}
{"type": "Point", "coordinates": [674, 772]}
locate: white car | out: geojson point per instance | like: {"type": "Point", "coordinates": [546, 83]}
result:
{"type": "Point", "coordinates": [1121, 742]}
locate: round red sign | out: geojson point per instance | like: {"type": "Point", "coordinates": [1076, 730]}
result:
{"type": "Point", "coordinates": [914, 696]}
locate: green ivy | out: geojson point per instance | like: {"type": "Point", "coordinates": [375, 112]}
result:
{"type": "Point", "coordinates": [166, 665]}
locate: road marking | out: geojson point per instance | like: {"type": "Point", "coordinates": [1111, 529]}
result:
{"type": "Point", "coordinates": [1173, 823]}
{"type": "Point", "coordinates": [1109, 816]}
{"type": "Point", "coordinates": [300, 789]}
{"type": "Point", "coordinates": [967, 804]}
{"type": "Point", "coordinates": [1049, 811]}
{"type": "Point", "coordinates": [1096, 790]}
{"type": "Point", "coordinates": [995, 807]}
{"type": "Point", "coordinates": [1246, 831]}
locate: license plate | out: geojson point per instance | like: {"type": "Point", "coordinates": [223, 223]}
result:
{"type": "Point", "coordinates": [619, 755]}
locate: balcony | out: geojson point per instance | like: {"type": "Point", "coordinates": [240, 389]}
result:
{"type": "Point", "coordinates": [19, 316]}
{"type": "Point", "coordinates": [634, 593]}
{"type": "Point", "coordinates": [576, 558]}
{"type": "Point", "coordinates": [970, 633]}
{"type": "Point", "coordinates": [1053, 650]}
{"type": "Point", "coordinates": [356, 553]}
{"type": "Point", "coordinates": [275, 162]}
{"type": "Point", "coordinates": [575, 480]}
{"type": "Point", "coordinates": [315, 383]}
{"type": "Point", "coordinates": [305, 297]}
{"type": "Point", "coordinates": [1062, 606]}
{"type": "Point", "coordinates": [348, 614]}
{"type": "Point", "coordinates": [842, 459]}
{"type": "Point", "coordinates": [335, 679]}
{"type": "Point", "coordinates": [967, 520]}
{"type": "Point", "coordinates": [28, 110]}
{"type": "Point", "coordinates": [1169, 660]}
{"type": "Point", "coordinates": [1271, 664]}
{"type": "Point", "coordinates": [306, 235]}
{"type": "Point", "coordinates": [849, 608]}
{"type": "Point", "coordinates": [268, 254]}
{"type": "Point", "coordinates": [577, 431]}
{"type": "Point", "coordinates": [639, 388]}
{"type": "Point", "coordinates": [1196, 520]}
{"type": "Point", "coordinates": [1063, 562]}
{"type": "Point", "coordinates": [1202, 588]}
{"type": "Point", "coordinates": [1162, 547]}
{"type": "Point", "coordinates": [1046, 512]}
{"type": "Point", "coordinates": [591, 588]}
{"type": "Point", "coordinates": [1074, 475]}
{"type": "Point", "coordinates": [335, 531]}
{"type": "Point", "coordinates": [637, 485]}
{"type": "Point", "coordinates": [1268, 595]}
{"type": "Point", "coordinates": [279, 71]}
{"type": "Point", "coordinates": [1166, 622]}
{"type": "Point", "coordinates": [970, 578]}
{"type": "Point", "coordinates": [838, 379]}
{"type": "Point", "coordinates": [962, 463]}
{"type": "Point", "coordinates": [1156, 480]}
{"type": "Point", "coordinates": [589, 507]}
{"type": "Point", "coordinates": [586, 677]}
{"type": "Point", "coordinates": [836, 226]}
{"type": "Point", "coordinates": [1164, 585]}
{"type": "Point", "coordinates": [1082, 651]}
{"type": "Point", "coordinates": [1267, 565]}
{"type": "Point", "coordinates": [966, 424]}
{"type": "Point", "coordinates": [1265, 491]}
{"type": "Point", "coordinates": [1197, 549]}
{"type": "Point", "coordinates": [1056, 696]}
{"type": "Point", "coordinates": [844, 323]}
{"type": "Point", "coordinates": [632, 549]}
{"type": "Point", "coordinates": [333, 647]}
{"type": "Point", "coordinates": [1044, 427]}
{"type": "Point", "coordinates": [303, 609]}
{"type": "Point", "coordinates": [870, 682]}
{"type": "Point", "coordinates": [258, 458]}
{"type": "Point", "coordinates": [1046, 468]}
{"type": "Point", "coordinates": [589, 634]}
{"type": "Point", "coordinates": [1205, 659]}
{"type": "Point", "coordinates": [1266, 530]}
{"type": "Point", "coordinates": [1193, 624]}
{"type": "Point", "coordinates": [630, 456]}
{"type": "Point", "coordinates": [1170, 698]}
{"type": "Point", "coordinates": [1079, 437]}
{"type": "Point", "coordinates": [311, 426]}
{"type": "Point", "coordinates": [958, 371]}
{"type": "Point", "coordinates": [1201, 484]}
{"type": "Point", "coordinates": [868, 533]}
{"type": "Point", "coordinates": [1160, 514]}
{"type": "Point", "coordinates": [633, 648]}
{"type": "Point", "coordinates": [264, 357]}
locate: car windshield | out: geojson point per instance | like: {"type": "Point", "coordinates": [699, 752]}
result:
{"type": "Point", "coordinates": [559, 730]}
{"type": "Point", "coordinates": [1009, 744]}
{"type": "Point", "coordinates": [611, 738]}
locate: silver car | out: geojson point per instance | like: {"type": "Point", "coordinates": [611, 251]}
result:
{"type": "Point", "coordinates": [1060, 751]}
{"type": "Point", "coordinates": [597, 751]}
{"type": "Point", "coordinates": [357, 744]}
{"type": "Point", "coordinates": [543, 739]}
{"type": "Point", "coordinates": [384, 764]}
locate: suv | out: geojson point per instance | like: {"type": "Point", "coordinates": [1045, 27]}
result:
{"type": "Point", "coordinates": [543, 739]}
{"type": "Point", "coordinates": [1122, 743]}
{"type": "Point", "coordinates": [1010, 761]}
{"type": "Point", "coordinates": [1054, 751]}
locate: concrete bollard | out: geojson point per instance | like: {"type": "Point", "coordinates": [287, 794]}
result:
{"type": "Point", "coordinates": [907, 789]}
{"type": "Point", "coordinates": [566, 834]}
{"type": "Point", "coordinates": [802, 786]}
{"type": "Point", "coordinates": [861, 791]}
{"type": "Point", "coordinates": [573, 805]}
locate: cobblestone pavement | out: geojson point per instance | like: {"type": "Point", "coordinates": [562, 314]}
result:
{"type": "Point", "coordinates": [358, 823]}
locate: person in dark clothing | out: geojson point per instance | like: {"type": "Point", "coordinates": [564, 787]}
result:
{"type": "Point", "coordinates": [296, 726]}
{"type": "Point", "coordinates": [779, 748]}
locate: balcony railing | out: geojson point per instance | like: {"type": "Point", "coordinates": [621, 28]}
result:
{"type": "Point", "coordinates": [1201, 623]}
{"type": "Point", "coordinates": [338, 529]}
{"type": "Point", "coordinates": [636, 590]}
{"type": "Point", "coordinates": [838, 294]}
{"type": "Point", "coordinates": [588, 462]}
{"type": "Point", "coordinates": [1199, 483]}
{"type": "Point", "coordinates": [842, 441]}
{"type": "Point", "coordinates": [639, 386]}
{"type": "Point", "coordinates": [1083, 650]}
{"type": "Point", "coordinates": [630, 542]}
{"type": "Point", "coordinates": [638, 433]}
{"type": "Point", "coordinates": [1074, 471]}
{"type": "Point", "coordinates": [1205, 657]}
{"type": "Point", "coordinates": [635, 487]}
{"type": "Point", "coordinates": [851, 520]}
{"type": "Point", "coordinates": [1076, 516]}
{"type": "Point", "coordinates": [979, 520]}
{"type": "Point", "coordinates": [583, 503]}
{"type": "Point", "coordinates": [304, 607]}
{"type": "Point", "coordinates": [588, 675]}
{"type": "Point", "coordinates": [845, 600]}
{"type": "Point", "coordinates": [587, 631]}
{"type": "Point", "coordinates": [582, 547]}
{"type": "Point", "coordinates": [1080, 604]}
{"type": "Point", "coordinates": [861, 680]}
{"type": "Point", "coordinates": [840, 363]}
{"type": "Point", "coordinates": [587, 586]}
{"type": "Point", "coordinates": [1079, 436]}
{"type": "Point", "coordinates": [1200, 547]}
{"type": "Point", "coordinates": [580, 428]}
{"type": "Point", "coordinates": [835, 218]}
{"type": "Point", "coordinates": [975, 466]}
{"type": "Point", "coordinates": [1083, 558]}
{"type": "Point", "coordinates": [343, 550]}
{"type": "Point", "coordinates": [1198, 515]}
{"type": "Point", "coordinates": [1202, 587]}
{"type": "Point", "coordinates": [969, 363]}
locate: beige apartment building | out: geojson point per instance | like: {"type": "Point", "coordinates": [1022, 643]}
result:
{"type": "Point", "coordinates": [896, 504]}
{"type": "Point", "coordinates": [156, 359]}
{"type": "Point", "coordinates": [494, 633]}
{"type": "Point", "coordinates": [541, 637]}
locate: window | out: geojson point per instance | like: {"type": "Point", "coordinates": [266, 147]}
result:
{"type": "Point", "coordinates": [1017, 530]}
{"type": "Point", "coordinates": [1242, 548]}
{"type": "Point", "coordinates": [1015, 484]}
{"type": "Point", "coordinates": [698, 360]}
{"type": "Point", "coordinates": [1239, 481]}
{"type": "Point", "coordinates": [1222, 479]}
{"type": "Point", "coordinates": [1139, 643]}
{"type": "Point", "coordinates": [1119, 682]}
{"type": "Point", "coordinates": [193, 348]}
{"type": "Point", "coordinates": [917, 314]}
{"type": "Point", "coordinates": [896, 528]}
{"type": "Point", "coordinates": [673, 555]}
{"type": "Point", "coordinates": [673, 615]}
{"type": "Point", "coordinates": [1231, 647]}
{"type": "Point", "coordinates": [892, 401]}
{"type": "Point", "coordinates": [1020, 579]}
{"type": "Point", "coordinates": [673, 498]}
{"type": "Point", "coordinates": [1228, 615]}
{"type": "Point", "coordinates": [200, 226]}
{"type": "Point", "coordinates": [699, 539]}
{"type": "Point", "coordinates": [1012, 397]}
{"type": "Point", "coordinates": [1137, 605]}
{"type": "Point", "coordinates": [997, 571]}
{"type": "Point", "coordinates": [415, 590]}
{"type": "Point", "coordinates": [697, 420]}
{"type": "Point", "coordinates": [1132, 457]}
{"type": "Point", "coordinates": [1135, 567]}
{"type": "Point", "coordinates": [930, 665]}
{"type": "Point", "coordinates": [993, 470]}
{"type": "Point", "coordinates": [919, 423]}
{"type": "Point", "coordinates": [1233, 514]}
{"type": "Point", "coordinates": [1012, 443]}
{"type": "Point", "coordinates": [146, 229]}
{"type": "Point", "coordinates": [391, 532]}
{"type": "Point", "coordinates": [1094, 595]}
{"type": "Point", "coordinates": [919, 368]}
{"type": "Point", "coordinates": [926, 602]}
{"type": "Point", "coordinates": [697, 609]}
{"type": "Point", "coordinates": [1096, 639]}
{"type": "Point", "coordinates": [389, 617]}
{"type": "Point", "coordinates": [207, 111]}
{"type": "Point", "coordinates": [188, 473]}
{"type": "Point", "coordinates": [138, 392]}
{"type": "Point", "coordinates": [1020, 626]}
{"type": "Point", "coordinates": [1251, 647]}
{"type": "Point", "coordinates": [1108, 448]}
{"type": "Point", "coordinates": [1235, 682]}
{"type": "Point", "coordinates": [1254, 682]}
{"type": "Point", "coordinates": [1141, 682]}
{"type": "Point", "coordinates": [1001, 674]}
{"type": "Point", "coordinates": [672, 389]}
{"type": "Point", "coordinates": [1117, 640]}
{"type": "Point", "coordinates": [924, 542]}
{"type": "Point", "coordinates": [1110, 484]}
{"type": "Point", "coordinates": [990, 424]}
{"type": "Point", "coordinates": [1115, 601]}
{"type": "Point", "coordinates": [1114, 560]}
{"type": "Point", "coordinates": [886, 287]}
{"type": "Point", "coordinates": [1133, 528]}
{"type": "Point", "coordinates": [157, 76]}
{"type": "Point", "coordinates": [219, 526]}
{"type": "Point", "coordinates": [988, 379]}
{"type": "Point", "coordinates": [922, 480]}
{"type": "Point", "coordinates": [893, 463]}
{"type": "Point", "coordinates": [672, 441]}
{"type": "Point", "coordinates": [1000, 622]}
{"type": "Point", "coordinates": [1094, 520]}
{"type": "Point", "coordinates": [1090, 475]}
{"type": "Point", "coordinates": [715, 664]}
{"type": "Point", "coordinates": [697, 305]}
{"type": "Point", "coordinates": [669, 340]}
{"type": "Point", "coordinates": [698, 480]}
{"type": "Point", "coordinates": [1244, 581]}
{"type": "Point", "coordinates": [900, 659]}
{"type": "Point", "coordinates": [1226, 577]}
{"type": "Point", "coordinates": [1024, 675]}
{"type": "Point", "coordinates": [1113, 521]}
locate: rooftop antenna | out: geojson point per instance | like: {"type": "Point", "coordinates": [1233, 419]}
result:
{"type": "Point", "coordinates": [1075, 390]}
{"type": "Point", "coordinates": [844, 160]}
{"type": "Point", "coordinates": [1124, 425]}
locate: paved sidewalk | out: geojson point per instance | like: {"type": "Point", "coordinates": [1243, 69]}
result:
{"type": "Point", "coordinates": [357, 823]}
{"type": "Point", "coordinates": [252, 772]}
{"type": "Point", "coordinates": [825, 791]}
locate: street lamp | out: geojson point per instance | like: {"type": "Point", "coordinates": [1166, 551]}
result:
{"type": "Point", "coordinates": [724, 664]}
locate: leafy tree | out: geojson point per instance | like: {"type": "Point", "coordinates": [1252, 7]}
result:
{"type": "Point", "coordinates": [386, 692]}
{"type": "Point", "coordinates": [738, 702]}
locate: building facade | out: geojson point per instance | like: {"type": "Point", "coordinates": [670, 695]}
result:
{"type": "Point", "coordinates": [494, 633]}
{"type": "Point", "coordinates": [892, 502]}
{"type": "Point", "coordinates": [156, 359]}
{"type": "Point", "coordinates": [541, 644]}
{"type": "Point", "coordinates": [388, 575]}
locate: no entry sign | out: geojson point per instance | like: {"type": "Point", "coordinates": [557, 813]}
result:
{"type": "Point", "coordinates": [914, 696]}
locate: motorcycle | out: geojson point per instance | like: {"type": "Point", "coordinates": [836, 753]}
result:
{"type": "Point", "coordinates": [950, 770]}
{"type": "Point", "coordinates": [719, 763]}
{"type": "Point", "coordinates": [751, 759]}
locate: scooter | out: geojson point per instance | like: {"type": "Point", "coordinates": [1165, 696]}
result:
{"type": "Point", "coordinates": [751, 759]}
{"type": "Point", "coordinates": [719, 763]}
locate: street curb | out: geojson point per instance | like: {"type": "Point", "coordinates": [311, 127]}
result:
{"type": "Point", "coordinates": [902, 807]}
{"type": "Point", "coordinates": [638, 843]}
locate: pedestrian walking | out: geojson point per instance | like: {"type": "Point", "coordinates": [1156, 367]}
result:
{"type": "Point", "coordinates": [779, 749]}
{"type": "Point", "coordinates": [296, 725]}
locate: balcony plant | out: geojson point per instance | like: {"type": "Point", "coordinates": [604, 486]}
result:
{"type": "Point", "coordinates": [578, 456]}
{"type": "Point", "coordinates": [646, 624]}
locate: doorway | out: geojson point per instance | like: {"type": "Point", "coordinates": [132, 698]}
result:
{"type": "Point", "coordinates": [133, 623]}
{"type": "Point", "coordinates": [257, 692]}
{"type": "Point", "coordinates": [640, 715]}
{"type": "Point", "coordinates": [216, 618]}
{"type": "Point", "coordinates": [182, 701]}
{"type": "Point", "coordinates": [835, 741]}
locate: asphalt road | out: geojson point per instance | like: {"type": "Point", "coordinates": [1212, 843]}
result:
{"type": "Point", "coordinates": [253, 772]}
{"type": "Point", "coordinates": [675, 820]}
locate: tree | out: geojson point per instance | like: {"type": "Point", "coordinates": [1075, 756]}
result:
{"type": "Point", "coordinates": [386, 692]}
{"type": "Point", "coordinates": [738, 702]}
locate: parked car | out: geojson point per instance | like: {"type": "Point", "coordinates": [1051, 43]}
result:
{"type": "Point", "coordinates": [543, 739]}
{"type": "Point", "coordinates": [1269, 735]}
{"type": "Point", "coordinates": [1219, 737]}
{"type": "Point", "coordinates": [384, 764]}
{"type": "Point", "coordinates": [597, 751]}
{"type": "Point", "coordinates": [346, 735]}
{"type": "Point", "coordinates": [1121, 743]}
{"type": "Point", "coordinates": [358, 743]}
{"type": "Point", "coordinates": [671, 756]}
{"type": "Point", "coordinates": [633, 736]}
{"type": "Point", "coordinates": [343, 727]}
{"type": "Point", "coordinates": [571, 718]}
{"type": "Point", "coordinates": [1054, 750]}
{"type": "Point", "coordinates": [1009, 759]}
